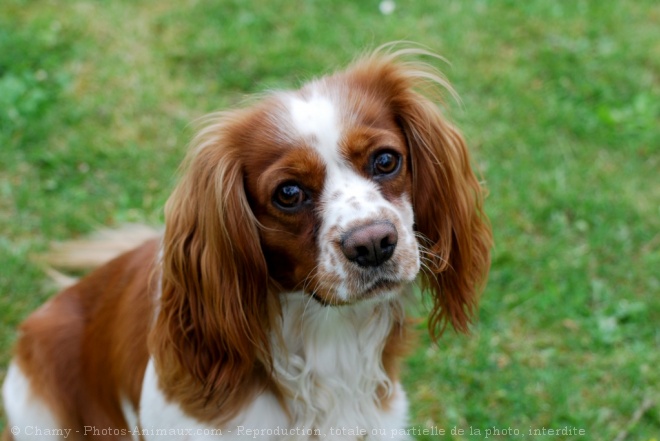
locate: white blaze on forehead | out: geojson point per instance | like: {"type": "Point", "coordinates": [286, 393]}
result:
{"type": "Point", "coordinates": [317, 117]}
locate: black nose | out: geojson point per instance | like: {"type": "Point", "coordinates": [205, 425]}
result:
{"type": "Point", "coordinates": [370, 245]}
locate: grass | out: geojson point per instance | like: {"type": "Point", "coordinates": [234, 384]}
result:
{"type": "Point", "coordinates": [561, 105]}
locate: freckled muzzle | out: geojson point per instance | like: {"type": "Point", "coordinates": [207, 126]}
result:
{"type": "Point", "coordinates": [367, 253]}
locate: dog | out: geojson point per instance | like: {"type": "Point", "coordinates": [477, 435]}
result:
{"type": "Point", "coordinates": [273, 305]}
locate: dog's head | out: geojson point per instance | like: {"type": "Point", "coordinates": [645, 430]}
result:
{"type": "Point", "coordinates": [342, 191]}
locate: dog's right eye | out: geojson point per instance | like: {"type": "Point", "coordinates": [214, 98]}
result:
{"type": "Point", "coordinates": [289, 197]}
{"type": "Point", "coordinates": [385, 164]}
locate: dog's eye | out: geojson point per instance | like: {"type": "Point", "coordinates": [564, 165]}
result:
{"type": "Point", "coordinates": [289, 196]}
{"type": "Point", "coordinates": [385, 163]}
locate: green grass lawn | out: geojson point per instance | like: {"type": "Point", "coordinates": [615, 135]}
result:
{"type": "Point", "coordinates": [560, 104]}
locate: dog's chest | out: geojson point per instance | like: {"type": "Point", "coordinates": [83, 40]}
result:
{"type": "Point", "coordinates": [332, 370]}
{"type": "Point", "coordinates": [329, 365]}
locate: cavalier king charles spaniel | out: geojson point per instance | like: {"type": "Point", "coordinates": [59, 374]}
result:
{"type": "Point", "coordinates": [273, 305]}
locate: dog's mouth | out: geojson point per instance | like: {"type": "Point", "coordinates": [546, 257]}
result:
{"type": "Point", "coordinates": [380, 286]}
{"type": "Point", "coordinates": [374, 289]}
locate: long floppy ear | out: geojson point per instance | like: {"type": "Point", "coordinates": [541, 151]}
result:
{"type": "Point", "coordinates": [447, 198]}
{"type": "Point", "coordinates": [211, 330]}
{"type": "Point", "coordinates": [448, 205]}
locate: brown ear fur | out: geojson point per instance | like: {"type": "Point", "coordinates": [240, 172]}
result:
{"type": "Point", "coordinates": [448, 204]}
{"type": "Point", "coordinates": [447, 198]}
{"type": "Point", "coordinates": [210, 335]}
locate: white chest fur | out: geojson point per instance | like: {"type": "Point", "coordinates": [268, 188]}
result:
{"type": "Point", "coordinates": [329, 364]}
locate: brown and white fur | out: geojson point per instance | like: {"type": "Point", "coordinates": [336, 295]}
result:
{"type": "Point", "coordinates": [274, 301]}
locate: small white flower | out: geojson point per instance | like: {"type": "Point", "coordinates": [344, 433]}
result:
{"type": "Point", "coordinates": [387, 7]}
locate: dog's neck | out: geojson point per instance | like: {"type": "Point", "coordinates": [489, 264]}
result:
{"type": "Point", "coordinates": [332, 365]}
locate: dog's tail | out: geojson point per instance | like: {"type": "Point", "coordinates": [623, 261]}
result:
{"type": "Point", "coordinates": [82, 255]}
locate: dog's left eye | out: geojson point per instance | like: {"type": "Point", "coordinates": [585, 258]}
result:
{"type": "Point", "coordinates": [289, 197]}
{"type": "Point", "coordinates": [385, 163]}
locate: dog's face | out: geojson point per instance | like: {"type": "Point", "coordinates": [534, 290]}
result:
{"type": "Point", "coordinates": [328, 176]}
{"type": "Point", "coordinates": [343, 190]}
